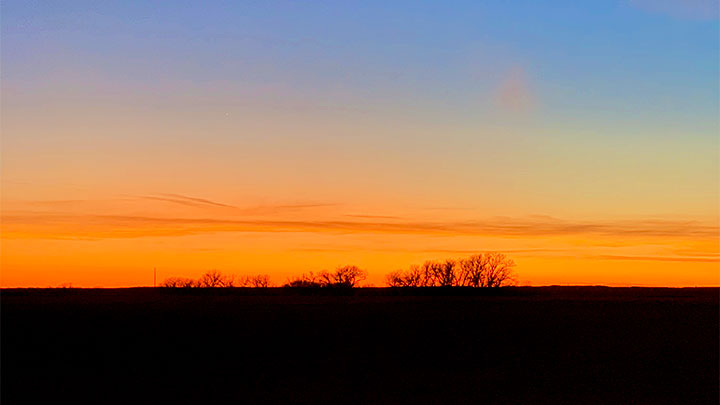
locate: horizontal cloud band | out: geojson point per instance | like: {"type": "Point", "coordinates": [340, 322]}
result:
{"type": "Point", "coordinates": [119, 226]}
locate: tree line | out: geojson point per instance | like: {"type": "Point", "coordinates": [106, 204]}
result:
{"type": "Point", "coordinates": [491, 269]}
{"type": "Point", "coordinates": [214, 278]}
{"type": "Point", "coordinates": [488, 270]}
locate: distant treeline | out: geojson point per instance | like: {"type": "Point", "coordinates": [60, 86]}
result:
{"type": "Point", "coordinates": [490, 269]}
{"type": "Point", "coordinates": [346, 276]}
{"type": "Point", "coordinates": [214, 278]}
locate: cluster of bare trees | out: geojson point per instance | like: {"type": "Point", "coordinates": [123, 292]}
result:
{"type": "Point", "coordinates": [346, 276]}
{"type": "Point", "coordinates": [214, 278]}
{"type": "Point", "coordinates": [489, 269]}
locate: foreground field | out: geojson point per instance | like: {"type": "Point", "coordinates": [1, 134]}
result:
{"type": "Point", "coordinates": [520, 345]}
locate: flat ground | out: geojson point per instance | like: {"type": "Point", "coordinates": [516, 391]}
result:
{"type": "Point", "coordinates": [520, 345]}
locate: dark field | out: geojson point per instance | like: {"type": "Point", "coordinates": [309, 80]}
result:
{"type": "Point", "coordinates": [520, 345]}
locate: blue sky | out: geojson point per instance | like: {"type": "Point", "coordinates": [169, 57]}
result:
{"type": "Point", "coordinates": [450, 112]}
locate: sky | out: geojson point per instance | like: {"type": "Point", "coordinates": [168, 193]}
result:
{"type": "Point", "coordinates": [281, 137]}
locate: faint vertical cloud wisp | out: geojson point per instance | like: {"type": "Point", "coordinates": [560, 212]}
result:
{"type": "Point", "coordinates": [514, 93]}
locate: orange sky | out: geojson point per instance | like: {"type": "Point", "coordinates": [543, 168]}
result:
{"type": "Point", "coordinates": [580, 139]}
{"type": "Point", "coordinates": [117, 242]}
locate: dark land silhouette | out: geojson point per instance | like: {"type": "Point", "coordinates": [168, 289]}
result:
{"type": "Point", "coordinates": [362, 345]}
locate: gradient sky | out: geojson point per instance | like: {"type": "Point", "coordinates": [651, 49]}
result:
{"type": "Point", "coordinates": [580, 138]}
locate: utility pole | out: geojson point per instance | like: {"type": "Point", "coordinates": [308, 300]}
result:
{"type": "Point", "coordinates": [154, 276]}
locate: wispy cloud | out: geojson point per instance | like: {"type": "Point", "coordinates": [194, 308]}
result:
{"type": "Point", "coordinates": [186, 200]}
{"type": "Point", "coordinates": [174, 201]}
{"type": "Point", "coordinates": [252, 210]}
{"type": "Point", "coordinates": [430, 249]}
{"type": "Point", "coordinates": [371, 216]}
{"type": "Point", "coordinates": [662, 258]}
{"type": "Point", "coordinates": [118, 226]}
{"type": "Point", "coordinates": [564, 253]}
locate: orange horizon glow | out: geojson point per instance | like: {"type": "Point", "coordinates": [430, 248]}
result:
{"type": "Point", "coordinates": [118, 243]}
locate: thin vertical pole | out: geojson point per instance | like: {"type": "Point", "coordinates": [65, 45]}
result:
{"type": "Point", "coordinates": [154, 277]}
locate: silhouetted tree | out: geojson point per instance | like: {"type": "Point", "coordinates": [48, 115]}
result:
{"type": "Point", "coordinates": [214, 278]}
{"type": "Point", "coordinates": [304, 281]}
{"type": "Point", "coordinates": [438, 274]}
{"type": "Point", "coordinates": [346, 276]}
{"type": "Point", "coordinates": [259, 281]}
{"type": "Point", "coordinates": [188, 283]}
{"type": "Point", "coordinates": [489, 269]}
{"type": "Point", "coordinates": [395, 279]}
{"type": "Point", "coordinates": [472, 270]}
{"type": "Point", "coordinates": [179, 282]}
{"type": "Point", "coordinates": [499, 270]}
{"type": "Point", "coordinates": [416, 276]}
{"type": "Point", "coordinates": [444, 273]}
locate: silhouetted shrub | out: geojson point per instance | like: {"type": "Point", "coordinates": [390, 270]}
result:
{"type": "Point", "coordinates": [342, 277]}
{"type": "Point", "coordinates": [309, 280]}
{"type": "Point", "coordinates": [259, 281]}
{"type": "Point", "coordinates": [212, 278]}
{"type": "Point", "coordinates": [179, 282]}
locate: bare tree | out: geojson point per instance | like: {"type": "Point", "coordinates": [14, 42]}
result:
{"type": "Point", "coordinates": [415, 276]}
{"type": "Point", "coordinates": [325, 278]}
{"type": "Point", "coordinates": [214, 278]}
{"type": "Point", "coordinates": [489, 269]}
{"type": "Point", "coordinates": [259, 281]}
{"type": "Point", "coordinates": [472, 271]}
{"type": "Point", "coordinates": [499, 270]}
{"type": "Point", "coordinates": [349, 276]}
{"type": "Point", "coordinates": [179, 282]}
{"type": "Point", "coordinates": [188, 283]}
{"type": "Point", "coordinates": [439, 274]}
{"type": "Point", "coordinates": [395, 279]}
{"type": "Point", "coordinates": [429, 269]}
{"type": "Point", "coordinates": [170, 282]}
{"type": "Point", "coordinates": [304, 280]}
{"type": "Point", "coordinates": [346, 276]}
{"type": "Point", "coordinates": [445, 274]}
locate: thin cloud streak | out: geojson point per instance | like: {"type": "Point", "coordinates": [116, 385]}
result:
{"type": "Point", "coordinates": [197, 200]}
{"type": "Point", "coordinates": [662, 258]}
{"type": "Point", "coordinates": [185, 200]}
{"type": "Point", "coordinates": [430, 250]}
{"type": "Point", "coordinates": [258, 210]}
{"type": "Point", "coordinates": [114, 226]}
{"type": "Point", "coordinates": [174, 201]}
{"type": "Point", "coordinates": [371, 216]}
